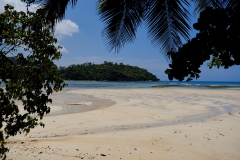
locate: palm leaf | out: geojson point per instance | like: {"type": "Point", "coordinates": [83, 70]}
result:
{"type": "Point", "coordinates": [233, 4]}
{"type": "Point", "coordinates": [167, 22]}
{"type": "Point", "coordinates": [121, 19]}
{"type": "Point", "coordinates": [54, 10]}
{"type": "Point", "coordinates": [200, 5]}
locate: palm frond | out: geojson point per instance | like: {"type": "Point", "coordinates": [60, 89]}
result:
{"type": "Point", "coordinates": [167, 22]}
{"type": "Point", "coordinates": [121, 19]}
{"type": "Point", "coordinates": [54, 10]}
{"type": "Point", "coordinates": [233, 4]}
{"type": "Point", "coordinates": [200, 5]}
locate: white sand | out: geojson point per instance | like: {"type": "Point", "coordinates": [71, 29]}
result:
{"type": "Point", "coordinates": [169, 123]}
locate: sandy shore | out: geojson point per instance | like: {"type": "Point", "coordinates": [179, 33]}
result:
{"type": "Point", "coordinates": [109, 124]}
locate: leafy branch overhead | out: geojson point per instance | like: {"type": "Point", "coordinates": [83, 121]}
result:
{"type": "Point", "coordinates": [218, 39]}
{"type": "Point", "coordinates": [27, 71]}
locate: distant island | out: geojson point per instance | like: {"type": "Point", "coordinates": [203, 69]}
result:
{"type": "Point", "coordinates": [108, 71]}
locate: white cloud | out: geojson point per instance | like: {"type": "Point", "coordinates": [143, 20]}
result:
{"type": "Point", "coordinates": [63, 50]}
{"type": "Point", "coordinates": [17, 4]}
{"type": "Point", "coordinates": [65, 28]}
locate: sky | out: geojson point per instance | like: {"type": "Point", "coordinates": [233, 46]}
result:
{"type": "Point", "coordinates": [80, 35]}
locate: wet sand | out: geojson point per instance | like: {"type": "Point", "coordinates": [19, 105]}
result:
{"type": "Point", "coordinates": [76, 103]}
{"type": "Point", "coordinates": [167, 123]}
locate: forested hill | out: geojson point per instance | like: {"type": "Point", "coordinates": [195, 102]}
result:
{"type": "Point", "coordinates": [107, 71]}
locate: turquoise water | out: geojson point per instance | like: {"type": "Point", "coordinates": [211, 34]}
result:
{"type": "Point", "coordinates": [97, 84]}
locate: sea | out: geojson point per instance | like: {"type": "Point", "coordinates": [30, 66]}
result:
{"type": "Point", "coordinates": [149, 84]}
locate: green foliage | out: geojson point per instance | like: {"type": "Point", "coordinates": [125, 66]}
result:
{"type": "Point", "coordinates": [28, 77]}
{"type": "Point", "coordinates": [218, 39]}
{"type": "Point", "coordinates": [107, 71]}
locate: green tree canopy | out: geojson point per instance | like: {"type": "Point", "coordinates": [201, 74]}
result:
{"type": "Point", "coordinates": [218, 40]}
{"type": "Point", "coordinates": [29, 76]}
{"type": "Point", "coordinates": [108, 71]}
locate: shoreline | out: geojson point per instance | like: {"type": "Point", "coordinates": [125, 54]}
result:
{"type": "Point", "coordinates": [146, 123]}
{"type": "Point", "coordinates": [197, 86]}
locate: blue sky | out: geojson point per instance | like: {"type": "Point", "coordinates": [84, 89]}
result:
{"type": "Point", "coordinates": [80, 35]}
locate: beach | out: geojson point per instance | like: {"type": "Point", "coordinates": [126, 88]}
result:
{"type": "Point", "coordinates": [138, 124]}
